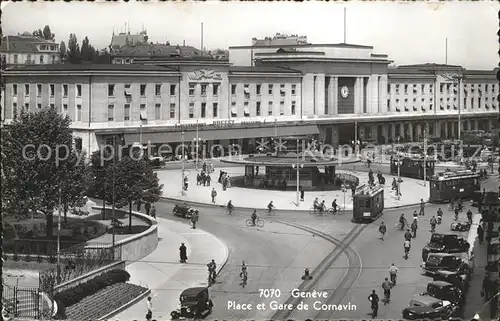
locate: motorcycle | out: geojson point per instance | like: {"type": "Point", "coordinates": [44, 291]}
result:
{"type": "Point", "coordinates": [460, 226]}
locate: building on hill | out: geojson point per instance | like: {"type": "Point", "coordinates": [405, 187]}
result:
{"type": "Point", "coordinates": [123, 39]}
{"type": "Point", "coordinates": [28, 50]}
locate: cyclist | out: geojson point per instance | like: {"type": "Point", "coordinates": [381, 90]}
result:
{"type": "Point", "coordinates": [254, 218]}
{"type": "Point", "coordinates": [322, 207]}
{"type": "Point", "coordinates": [230, 207]}
{"type": "Point", "coordinates": [433, 224]}
{"type": "Point", "coordinates": [402, 222]}
{"type": "Point", "coordinates": [316, 204]}
{"type": "Point", "coordinates": [243, 269]}
{"type": "Point", "coordinates": [469, 216]}
{"type": "Point", "coordinates": [334, 206]}
{"type": "Point", "coordinates": [393, 272]}
{"type": "Point", "coordinates": [408, 235]}
{"type": "Point", "coordinates": [387, 285]}
{"type": "Point", "coordinates": [374, 303]}
{"type": "Point", "coordinates": [407, 246]}
{"type": "Point", "coordinates": [270, 207]}
{"type": "Point", "coordinates": [382, 229]}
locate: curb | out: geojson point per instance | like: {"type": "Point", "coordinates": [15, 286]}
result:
{"type": "Point", "coordinates": [125, 306]}
{"type": "Point", "coordinates": [171, 199]}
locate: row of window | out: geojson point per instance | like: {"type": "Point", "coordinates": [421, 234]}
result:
{"type": "Point", "coordinates": [28, 61]}
{"type": "Point", "coordinates": [203, 89]}
{"type": "Point", "coordinates": [258, 109]}
{"type": "Point", "coordinates": [142, 90]}
{"type": "Point", "coordinates": [444, 88]}
{"type": "Point", "coordinates": [65, 90]}
{"type": "Point", "coordinates": [492, 103]}
{"type": "Point", "coordinates": [258, 90]}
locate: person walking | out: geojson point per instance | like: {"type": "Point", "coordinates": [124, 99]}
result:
{"type": "Point", "coordinates": [194, 219]}
{"type": "Point", "coordinates": [183, 253]}
{"type": "Point", "coordinates": [408, 235]}
{"type": "Point", "coordinates": [149, 313]}
{"type": "Point", "coordinates": [433, 223]}
{"type": "Point", "coordinates": [414, 227]}
{"type": "Point", "coordinates": [406, 247]}
{"type": "Point", "coordinates": [393, 272]}
{"type": "Point", "coordinates": [212, 271]}
{"type": "Point", "coordinates": [374, 299]}
{"type": "Point", "coordinates": [382, 229]}
{"type": "Point", "coordinates": [480, 233]}
{"type": "Point", "coordinates": [147, 206]}
{"type": "Point", "coordinates": [214, 194]}
{"type": "Point", "coordinates": [301, 189]}
{"type": "Point", "coordinates": [153, 212]}
{"type": "Point", "coordinates": [209, 179]}
{"type": "Point", "coordinates": [422, 207]}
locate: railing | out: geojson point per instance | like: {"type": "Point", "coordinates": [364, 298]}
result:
{"type": "Point", "coordinates": [22, 302]}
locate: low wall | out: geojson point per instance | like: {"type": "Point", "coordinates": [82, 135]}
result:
{"type": "Point", "coordinates": [89, 276]}
{"type": "Point", "coordinates": [139, 245]}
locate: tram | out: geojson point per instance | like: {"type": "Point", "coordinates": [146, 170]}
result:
{"type": "Point", "coordinates": [368, 203]}
{"type": "Point", "coordinates": [446, 186]}
{"type": "Point", "coordinates": [412, 165]}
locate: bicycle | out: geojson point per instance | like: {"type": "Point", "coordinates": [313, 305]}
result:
{"type": "Point", "coordinates": [258, 222]}
{"type": "Point", "coordinates": [244, 278]}
{"type": "Point", "coordinates": [271, 211]}
{"type": "Point", "coordinates": [229, 211]}
{"type": "Point", "coordinates": [313, 210]}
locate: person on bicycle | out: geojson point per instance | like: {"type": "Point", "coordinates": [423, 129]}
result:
{"type": "Point", "coordinates": [393, 272]}
{"type": "Point", "coordinates": [433, 223]}
{"type": "Point", "coordinates": [316, 204]}
{"type": "Point", "coordinates": [408, 235]}
{"type": "Point", "coordinates": [322, 207]}
{"type": "Point", "coordinates": [334, 206]}
{"type": "Point", "coordinates": [402, 222]}
{"type": "Point", "coordinates": [270, 207]}
{"type": "Point", "coordinates": [387, 286]}
{"type": "Point", "coordinates": [243, 269]}
{"type": "Point", "coordinates": [230, 207]}
{"type": "Point", "coordinates": [382, 229]}
{"type": "Point", "coordinates": [407, 246]}
{"type": "Point", "coordinates": [469, 216]}
{"type": "Point", "coordinates": [374, 303]}
{"type": "Point", "coordinates": [254, 218]}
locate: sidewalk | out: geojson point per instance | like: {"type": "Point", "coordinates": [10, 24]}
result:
{"type": "Point", "coordinates": [165, 276]}
{"type": "Point", "coordinates": [412, 190]}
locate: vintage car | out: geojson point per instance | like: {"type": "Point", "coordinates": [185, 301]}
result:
{"type": "Point", "coordinates": [445, 261]}
{"type": "Point", "coordinates": [183, 210]}
{"type": "Point", "coordinates": [195, 303]}
{"type": "Point", "coordinates": [444, 291]}
{"type": "Point", "coordinates": [428, 308]}
{"type": "Point", "coordinates": [458, 279]}
{"type": "Point", "coordinates": [445, 243]}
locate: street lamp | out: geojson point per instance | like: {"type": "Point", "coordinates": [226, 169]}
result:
{"type": "Point", "coordinates": [399, 172]}
{"type": "Point", "coordinates": [114, 182]}
{"type": "Point", "coordinates": [182, 162]}
{"type": "Point", "coordinates": [457, 80]}
{"type": "Point", "coordinates": [425, 158]}
{"type": "Point", "coordinates": [297, 166]}
{"type": "Point", "coordinates": [59, 239]}
{"type": "Point", "coordinates": [197, 140]}
{"type": "Point", "coordinates": [344, 190]}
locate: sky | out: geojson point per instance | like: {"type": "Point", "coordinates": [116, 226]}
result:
{"type": "Point", "coordinates": [409, 32]}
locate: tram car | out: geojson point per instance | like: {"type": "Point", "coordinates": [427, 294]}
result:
{"type": "Point", "coordinates": [412, 165]}
{"type": "Point", "coordinates": [368, 203]}
{"type": "Point", "coordinates": [446, 186]}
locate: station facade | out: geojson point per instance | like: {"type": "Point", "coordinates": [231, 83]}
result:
{"type": "Point", "coordinates": [334, 92]}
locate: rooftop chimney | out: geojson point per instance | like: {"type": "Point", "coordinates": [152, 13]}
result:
{"type": "Point", "coordinates": [184, 43]}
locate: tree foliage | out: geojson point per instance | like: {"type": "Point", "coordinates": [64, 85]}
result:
{"type": "Point", "coordinates": [73, 54]}
{"type": "Point", "coordinates": [63, 51]}
{"type": "Point", "coordinates": [47, 34]}
{"type": "Point", "coordinates": [33, 177]}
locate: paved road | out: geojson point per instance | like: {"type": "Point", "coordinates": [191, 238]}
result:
{"type": "Point", "coordinates": [276, 255]}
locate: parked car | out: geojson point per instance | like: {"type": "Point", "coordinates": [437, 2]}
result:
{"type": "Point", "coordinates": [195, 303]}
{"type": "Point", "coordinates": [444, 261]}
{"type": "Point", "coordinates": [444, 291]}
{"type": "Point", "coordinates": [183, 210]}
{"type": "Point", "coordinates": [458, 279]}
{"type": "Point", "coordinates": [426, 307]}
{"type": "Point", "coordinates": [445, 243]}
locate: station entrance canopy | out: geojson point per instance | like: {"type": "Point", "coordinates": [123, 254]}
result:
{"type": "Point", "coordinates": [213, 133]}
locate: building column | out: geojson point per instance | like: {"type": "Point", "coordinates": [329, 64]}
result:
{"type": "Point", "coordinates": [453, 128]}
{"type": "Point", "coordinates": [320, 94]}
{"type": "Point", "coordinates": [490, 124]}
{"type": "Point", "coordinates": [410, 131]}
{"type": "Point", "coordinates": [361, 94]}
{"type": "Point", "coordinates": [374, 101]}
{"type": "Point", "coordinates": [419, 132]}
{"type": "Point", "coordinates": [329, 94]}
{"type": "Point", "coordinates": [369, 93]}
{"type": "Point", "coordinates": [335, 136]}
{"type": "Point", "coordinates": [382, 94]}
{"type": "Point", "coordinates": [334, 95]}
{"type": "Point", "coordinates": [445, 124]}
{"type": "Point", "coordinates": [307, 95]}
{"type": "Point", "coordinates": [356, 96]}
{"type": "Point", "coordinates": [393, 131]}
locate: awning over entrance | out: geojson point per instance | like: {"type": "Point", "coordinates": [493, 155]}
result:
{"type": "Point", "coordinates": [220, 134]}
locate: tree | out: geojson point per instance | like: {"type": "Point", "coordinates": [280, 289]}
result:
{"type": "Point", "coordinates": [73, 53]}
{"type": "Point", "coordinates": [76, 181]}
{"type": "Point", "coordinates": [47, 34]}
{"type": "Point", "coordinates": [134, 181]}
{"type": "Point", "coordinates": [32, 173]}
{"type": "Point", "coordinates": [37, 33]}
{"type": "Point", "coordinates": [62, 51]}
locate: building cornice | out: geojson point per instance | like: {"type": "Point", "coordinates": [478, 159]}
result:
{"type": "Point", "coordinates": [264, 74]}
{"type": "Point", "coordinates": [168, 73]}
{"type": "Point", "coordinates": [335, 45]}
{"type": "Point", "coordinates": [312, 59]}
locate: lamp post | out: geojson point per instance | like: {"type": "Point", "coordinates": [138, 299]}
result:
{"type": "Point", "coordinates": [399, 172]}
{"type": "Point", "coordinates": [457, 80]}
{"type": "Point", "coordinates": [297, 166]}
{"type": "Point", "coordinates": [114, 183]}
{"type": "Point", "coordinates": [59, 239]}
{"type": "Point", "coordinates": [197, 140]}
{"type": "Point", "coordinates": [182, 162]}
{"type": "Point", "coordinates": [425, 158]}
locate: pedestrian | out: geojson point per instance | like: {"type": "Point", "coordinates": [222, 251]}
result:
{"type": "Point", "coordinates": [186, 183]}
{"type": "Point", "coordinates": [183, 253]}
{"type": "Point", "coordinates": [301, 193]}
{"type": "Point", "coordinates": [408, 235]}
{"type": "Point", "coordinates": [147, 206]}
{"type": "Point", "coordinates": [382, 229]}
{"type": "Point", "coordinates": [153, 212]}
{"type": "Point", "coordinates": [480, 233]}
{"type": "Point", "coordinates": [149, 313]}
{"type": "Point", "coordinates": [415, 214]}
{"type": "Point", "coordinates": [353, 190]}
{"type": "Point", "coordinates": [433, 223]}
{"type": "Point", "coordinates": [406, 247]}
{"type": "Point", "coordinates": [374, 299]}
{"type": "Point", "coordinates": [209, 179]}
{"type": "Point", "coordinates": [198, 179]}
{"type": "Point", "coordinates": [194, 219]}
{"type": "Point", "coordinates": [414, 227]}
{"type": "Point", "coordinates": [204, 166]}
{"type": "Point", "coordinates": [212, 267]}
{"type": "Point", "coordinates": [214, 194]}
{"type": "Point", "coordinates": [422, 207]}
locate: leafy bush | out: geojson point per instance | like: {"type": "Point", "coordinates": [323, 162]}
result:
{"type": "Point", "coordinates": [74, 295]}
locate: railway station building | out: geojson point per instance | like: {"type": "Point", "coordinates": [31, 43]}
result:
{"type": "Point", "coordinates": [336, 93]}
